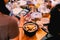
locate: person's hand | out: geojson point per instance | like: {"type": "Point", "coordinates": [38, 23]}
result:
{"type": "Point", "coordinates": [21, 21]}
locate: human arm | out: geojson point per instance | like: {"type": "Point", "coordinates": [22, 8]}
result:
{"type": "Point", "coordinates": [21, 22]}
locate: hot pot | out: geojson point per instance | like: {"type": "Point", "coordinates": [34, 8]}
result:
{"type": "Point", "coordinates": [30, 28]}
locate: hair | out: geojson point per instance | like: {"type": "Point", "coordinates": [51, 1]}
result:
{"type": "Point", "coordinates": [3, 8]}
{"type": "Point", "coordinates": [54, 26]}
{"type": "Point", "coordinates": [57, 6]}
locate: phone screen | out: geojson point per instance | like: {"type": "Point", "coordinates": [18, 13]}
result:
{"type": "Point", "coordinates": [24, 12]}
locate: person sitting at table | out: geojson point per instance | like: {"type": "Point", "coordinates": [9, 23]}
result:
{"type": "Point", "coordinates": [8, 26]}
{"type": "Point", "coordinates": [54, 26]}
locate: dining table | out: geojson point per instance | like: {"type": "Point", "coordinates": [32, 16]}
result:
{"type": "Point", "coordinates": [38, 36]}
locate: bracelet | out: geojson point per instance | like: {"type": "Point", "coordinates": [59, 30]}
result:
{"type": "Point", "coordinates": [20, 27]}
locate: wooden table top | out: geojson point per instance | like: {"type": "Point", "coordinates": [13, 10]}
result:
{"type": "Point", "coordinates": [38, 36]}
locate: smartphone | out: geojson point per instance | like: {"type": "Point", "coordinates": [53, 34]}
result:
{"type": "Point", "coordinates": [23, 12]}
{"type": "Point", "coordinates": [18, 11]}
